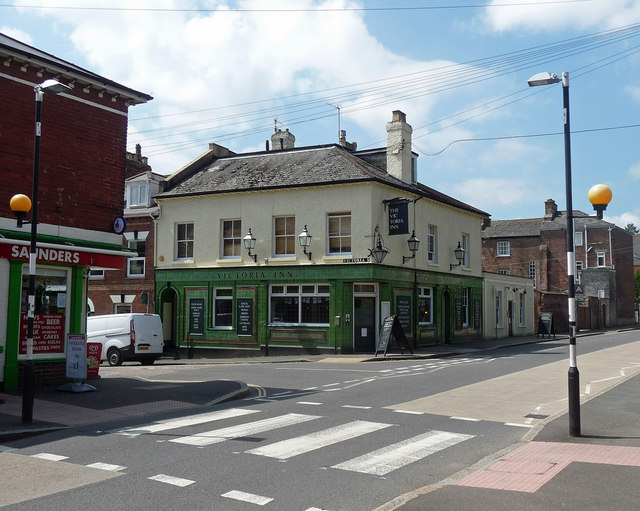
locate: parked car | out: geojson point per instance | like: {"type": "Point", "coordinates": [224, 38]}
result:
{"type": "Point", "coordinates": [132, 336]}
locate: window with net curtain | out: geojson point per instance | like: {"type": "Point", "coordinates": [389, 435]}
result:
{"type": "Point", "coordinates": [339, 227]}
{"type": "Point", "coordinates": [285, 236]}
{"type": "Point", "coordinates": [231, 238]}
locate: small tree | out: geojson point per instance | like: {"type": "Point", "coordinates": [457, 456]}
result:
{"type": "Point", "coordinates": [632, 229]}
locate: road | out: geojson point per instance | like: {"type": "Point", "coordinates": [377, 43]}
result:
{"type": "Point", "coordinates": [328, 435]}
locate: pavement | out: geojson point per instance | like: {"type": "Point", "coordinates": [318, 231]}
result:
{"type": "Point", "coordinates": [548, 470]}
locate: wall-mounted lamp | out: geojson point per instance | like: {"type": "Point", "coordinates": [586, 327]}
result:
{"type": "Point", "coordinates": [413, 244]}
{"type": "Point", "coordinates": [305, 241]}
{"type": "Point", "coordinates": [378, 252]}
{"type": "Point", "coordinates": [250, 243]}
{"type": "Point", "coordinates": [459, 253]}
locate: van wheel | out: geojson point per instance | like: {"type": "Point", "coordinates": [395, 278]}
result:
{"type": "Point", "coordinates": [114, 357]}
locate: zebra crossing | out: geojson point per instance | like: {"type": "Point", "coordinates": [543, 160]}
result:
{"type": "Point", "coordinates": [379, 462]}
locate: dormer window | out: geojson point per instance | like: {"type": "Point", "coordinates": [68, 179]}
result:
{"type": "Point", "coordinates": [137, 195]}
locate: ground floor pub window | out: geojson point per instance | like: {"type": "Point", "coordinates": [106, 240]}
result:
{"type": "Point", "coordinates": [49, 323]}
{"type": "Point", "coordinates": [299, 304]}
{"type": "Point", "coordinates": [426, 305]}
{"type": "Point", "coordinates": [222, 316]}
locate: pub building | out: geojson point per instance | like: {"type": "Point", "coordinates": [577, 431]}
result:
{"type": "Point", "coordinates": [310, 249]}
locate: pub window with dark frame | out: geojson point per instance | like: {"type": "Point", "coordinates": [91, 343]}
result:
{"type": "Point", "coordinates": [222, 299]}
{"type": "Point", "coordinates": [465, 306]}
{"type": "Point", "coordinates": [425, 305]}
{"type": "Point", "coordinates": [299, 304]}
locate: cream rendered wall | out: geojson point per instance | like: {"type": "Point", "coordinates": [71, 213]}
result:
{"type": "Point", "coordinates": [451, 223]}
{"type": "Point", "coordinates": [511, 287]}
{"type": "Point", "coordinates": [310, 206]}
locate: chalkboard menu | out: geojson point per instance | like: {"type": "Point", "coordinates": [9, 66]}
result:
{"type": "Point", "coordinates": [403, 311]}
{"type": "Point", "coordinates": [458, 313]}
{"type": "Point", "coordinates": [244, 316]}
{"type": "Point", "coordinates": [196, 316]}
{"type": "Point", "coordinates": [392, 326]}
{"type": "Point", "coordinates": [545, 325]}
{"type": "Point", "coordinates": [476, 314]}
{"type": "Point", "coordinates": [385, 334]}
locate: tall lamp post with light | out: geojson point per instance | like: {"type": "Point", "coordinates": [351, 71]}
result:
{"type": "Point", "coordinates": [20, 204]}
{"type": "Point", "coordinates": [574, 375]}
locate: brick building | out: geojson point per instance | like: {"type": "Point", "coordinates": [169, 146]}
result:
{"type": "Point", "coordinates": [536, 248]}
{"type": "Point", "coordinates": [131, 289]}
{"type": "Point", "coordinates": [81, 178]}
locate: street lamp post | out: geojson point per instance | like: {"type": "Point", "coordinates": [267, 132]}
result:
{"type": "Point", "coordinates": [574, 375]}
{"type": "Point", "coordinates": [46, 87]}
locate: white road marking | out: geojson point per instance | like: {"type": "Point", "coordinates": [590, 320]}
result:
{"type": "Point", "coordinates": [395, 456]}
{"type": "Point", "coordinates": [50, 457]}
{"type": "Point", "coordinates": [465, 419]}
{"type": "Point", "coordinates": [312, 403]}
{"type": "Point", "coordinates": [250, 428]}
{"type": "Point", "coordinates": [299, 445]}
{"type": "Point", "coordinates": [107, 466]}
{"type": "Point", "coordinates": [175, 481]}
{"type": "Point", "coordinates": [357, 407]}
{"type": "Point", "coordinates": [185, 421]}
{"type": "Point", "coordinates": [410, 412]}
{"type": "Point", "coordinates": [516, 425]}
{"type": "Point", "coordinates": [247, 497]}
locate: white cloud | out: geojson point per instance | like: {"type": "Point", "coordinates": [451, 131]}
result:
{"type": "Point", "coordinates": [538, 17]}
{"type": "Point", "coordinates": [634, 171]}
{"type": "Point", "coordinates": [624, 219]}
{"type": "Point", "coordinates": [17, 34]}
{"type": "Point", "coordinates": [486, 193]}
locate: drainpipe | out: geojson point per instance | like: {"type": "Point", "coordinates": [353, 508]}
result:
{"type": "Point", "coordinates": [610, 249]}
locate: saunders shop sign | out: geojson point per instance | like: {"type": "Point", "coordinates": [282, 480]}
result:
{"type": "Point", "coordinates": [58, 254]}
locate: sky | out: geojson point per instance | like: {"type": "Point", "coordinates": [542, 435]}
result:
{"type": "Point", "coordinates": [230, 72]}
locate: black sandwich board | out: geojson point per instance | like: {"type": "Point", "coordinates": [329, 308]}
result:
{"type": "Point", "coordinates": [392, 326]}
{"type": "Point", "coordinates": [545, 325]}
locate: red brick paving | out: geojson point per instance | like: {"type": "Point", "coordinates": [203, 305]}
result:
{"type": "Point", "coordinates": [529, 467]}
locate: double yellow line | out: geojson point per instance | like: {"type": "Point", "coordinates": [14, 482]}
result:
{"type": "Point", "coordinates": [261, 391]}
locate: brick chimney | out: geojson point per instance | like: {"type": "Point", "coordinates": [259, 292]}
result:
{"type": "Point", "coordinates": [399, 157]}
{"type": "Point", "coordinates": [281, 140]}
{"type": "Point", "coordinates": [550, 209]}
{"type": "Point", "coordinates": [351, 146]}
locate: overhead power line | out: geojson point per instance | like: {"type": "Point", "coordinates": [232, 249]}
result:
{"type": "Point", "coordinates": [312, 106]}
{"type": "Point", "coordinates": [310, 9]}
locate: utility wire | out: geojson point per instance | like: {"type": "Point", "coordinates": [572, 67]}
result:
{"type": "Point", "coordinates": [311, 9]}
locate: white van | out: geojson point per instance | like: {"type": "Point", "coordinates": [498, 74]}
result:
{"type": "Point", "coordinates": [133, 336]}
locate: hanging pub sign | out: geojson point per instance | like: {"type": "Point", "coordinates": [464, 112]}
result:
{"type": "Point", "coordinates": [398, 218]}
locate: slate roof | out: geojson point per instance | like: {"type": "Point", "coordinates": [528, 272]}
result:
{"type": "Point", "coordinates": [301, 167]}
{"type": "Point", "coordinates": [533, 226]}
{"type": "Point", "coordinates": [39, 58]}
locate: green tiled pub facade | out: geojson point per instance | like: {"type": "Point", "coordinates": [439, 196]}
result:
{"type": "Point", "coordinates": [316, 309]}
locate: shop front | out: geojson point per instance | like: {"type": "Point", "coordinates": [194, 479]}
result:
{"type": "Point", "coordinates": [60, 302]}
{"type": "Point", "coordinates": [319, 309]}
